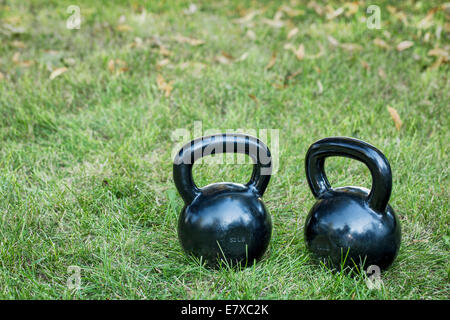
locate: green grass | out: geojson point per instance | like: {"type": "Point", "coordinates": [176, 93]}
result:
{"type": "Point", "coordinates": [86, 158]}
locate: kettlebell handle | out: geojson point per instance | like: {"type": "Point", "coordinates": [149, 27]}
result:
{"type": "Point", "coordinates": [377, 163]}
{"type": "Point", "coordinates": [221, 143]}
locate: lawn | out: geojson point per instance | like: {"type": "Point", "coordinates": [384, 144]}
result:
{"type": "Point", "coordinates": [88, 123]}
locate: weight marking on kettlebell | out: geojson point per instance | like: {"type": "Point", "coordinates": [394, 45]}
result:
{"type": "Point", "coordinates": [237, 240]}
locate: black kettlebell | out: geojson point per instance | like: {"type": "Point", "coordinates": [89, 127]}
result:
{"type": "Point", "coordinates": [224, 221]}
{"type": "Point", "coordinates": [351, 226]}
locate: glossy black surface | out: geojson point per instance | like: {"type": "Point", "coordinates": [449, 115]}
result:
{"type": "Point", "coordinates": [351, 224]}
{"type": "Point", "coordinates": [224, 220]}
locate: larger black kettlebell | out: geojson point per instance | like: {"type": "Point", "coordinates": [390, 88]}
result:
{"type": "Point", "coordinates": [351, 226]}
{"type": "Point", "coordinates": [224, 221]}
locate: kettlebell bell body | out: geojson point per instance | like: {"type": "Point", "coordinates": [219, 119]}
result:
{"type": "Point", "coordinates": [351, 226]}
{"type": "Point", "coordinates": [224, 221]}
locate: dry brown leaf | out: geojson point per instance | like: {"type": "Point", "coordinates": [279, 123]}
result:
{"type": "Point", "coordinates": [191, 41]}
{"type": "Point", "coordinates": [291, 12]}
{"type": "Point", "coordinates": [124, 28]}
{"type": "Point", "coordinates": [333, 41]}
{"type": "Point", "coordinates": [253, 97]}
{"type": "Point", "coordinates": [242, 57]}
{"type": "Point", "coordinates": [365, 65]}
{"type": "Point", "coordinates": [317, 55]}
{"type": "Point", "coordinates": [319, 84]}
{"type": "Point", "coordinates": [272, 61]}
{"type": "Point", "coordinates": [427, 22]}
{"type": "Point", "coordinates": [438, 52]}
{"type": "Point", "coordinates": [117, 66]}
{"type": "Point", "coordinates": [404, 45]}
{"type": "Point", "coordinates": [164, 51]}
{"type": "Point", "coordinates": [57, 72]}
{"type": "Point", "coordinates": [292, 33]}
{"type": "Point", "coordinates": [2, 76]}
{"type": "Point", "coordinates": [279, 86]}
{"type": "Point", "coordinates": [381, 73]}
{"type": "Point", "coordinates": [351, 47]}
{"type": "Point", "coordinates": [162, 63]}
{"type": "Point", "coordinates": [381, 43]}
{"type": "Point", "coordinates": [25, 63]}
{"type": "Point", "coordinates": [437, 63]}
{"type": "Point", "coordinates": [352, 8]}
{"type": "Point", "coordinates": [18, 44]}
{"type": "Point", "coordinates": [111, 66]}
{"type": "Point", "coordinates": [248, 17]}
{"type": "Point", "coordinates": [224, 58]}
{"type": "Point", "coordinates": [273, 23]}
{"type": "Point", "coordinates": [163, 85]}
{"type": "Point", "coordinates": [317, 8]}
{"type": "Point", "coordinates": [335, 13]}
{"type": "Point", "coordinates": [251, 35]}
{"type": "Point", "coordinates": [294, 74]}
{"type": "Point", "coordinates": [16, 58]}
{"type": "Point", "coordinates": [300, 52]}
{"type": "Point", "coordinates": [394, 115]}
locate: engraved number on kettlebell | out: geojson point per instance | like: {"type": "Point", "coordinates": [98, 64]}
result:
{"type": "Point", "coordinates": [374, 280]}
{"type": "Point", "coordinates": [237, 240]}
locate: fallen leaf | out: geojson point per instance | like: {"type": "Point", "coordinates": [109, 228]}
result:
{"type": "Point", "coordinates": [251, 35]}
{"type": "Point", "coordinates": [292, 33]}
{"type": "Point", "coordinates": [253, 97]}
{"type": "Point", "coordinates": [163, 85]}
{"type": "Point", "coordinates": [25, 63]}
{"type": "Point", "coordinates": [351, 47]}
{"type": "Point", "coordinates": [117, 66]}
{"type": "Point", "coordinates": [394, 115]}
{"type": "Point", "coordinates": [124, 28]}
{"type": "Point", "coordinates": [365, 65]}
{"type": "Point", "coordinates": [2, 76]}
{"type": "Point", "coordinates": [16, 58]}
{"type": "Point", "coordinates": [381, 73]}
{"type": "Point", "coordinates": [111, 65]}
{"type": "Point", "coordinates": [427, 22]}
{"type": "Point", "coordinates": [333, 41]}
{"type": "Point", "coordinates": [294, 74]}
{"type": "Point", "coordinates": [191, 9]}
{"type": "Point", "coordinates": [243, 57]}
{"type": "Point", "coordinates": [437, 63]}
{"type": "Point", "coordinates": [291, 12]}
{"type": "Point", "coordinates": [57, 72]}
{"type": "Point", "coordinates": [334, 14]}
{"type": "Point", "coordinates": [279, 86]}
{"type": "Point", "coordinates": [164, 51]}
{"type": "Point", "coordinates": [18, 44]}
{"type": "Point", "coordinates": [273, 23]}
{"type": "Point", "coordinates": [272, 61]}
{"type": "Point", "coordinates": [300, 52]}
{"type": "Point", "coordinates": [404, 45]}
{"type": "Point", "coordinates": [162, 63]}
{"type": "Point", "coordinates": [224, 58]}
{"type": "Point", "coordinates": [317, 7]}
{"type": "Point", "coordinates": [352, 8]}
{"type": "Point", "coordinates": [438, 52]}
{"type": "Point", "coordinates": [191, 41]}
{"type": "Point", "coordinates": [248, 17]}
{"type": "Point", "coordinates": [381, 43]}
{"type": "Point", "coordinates": [319, 84]}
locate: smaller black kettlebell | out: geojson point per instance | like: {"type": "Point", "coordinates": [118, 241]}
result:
{"type": "Point", "coordinates": [224, 221]}
{"type": "Point", "coordinates": [351, 224]}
